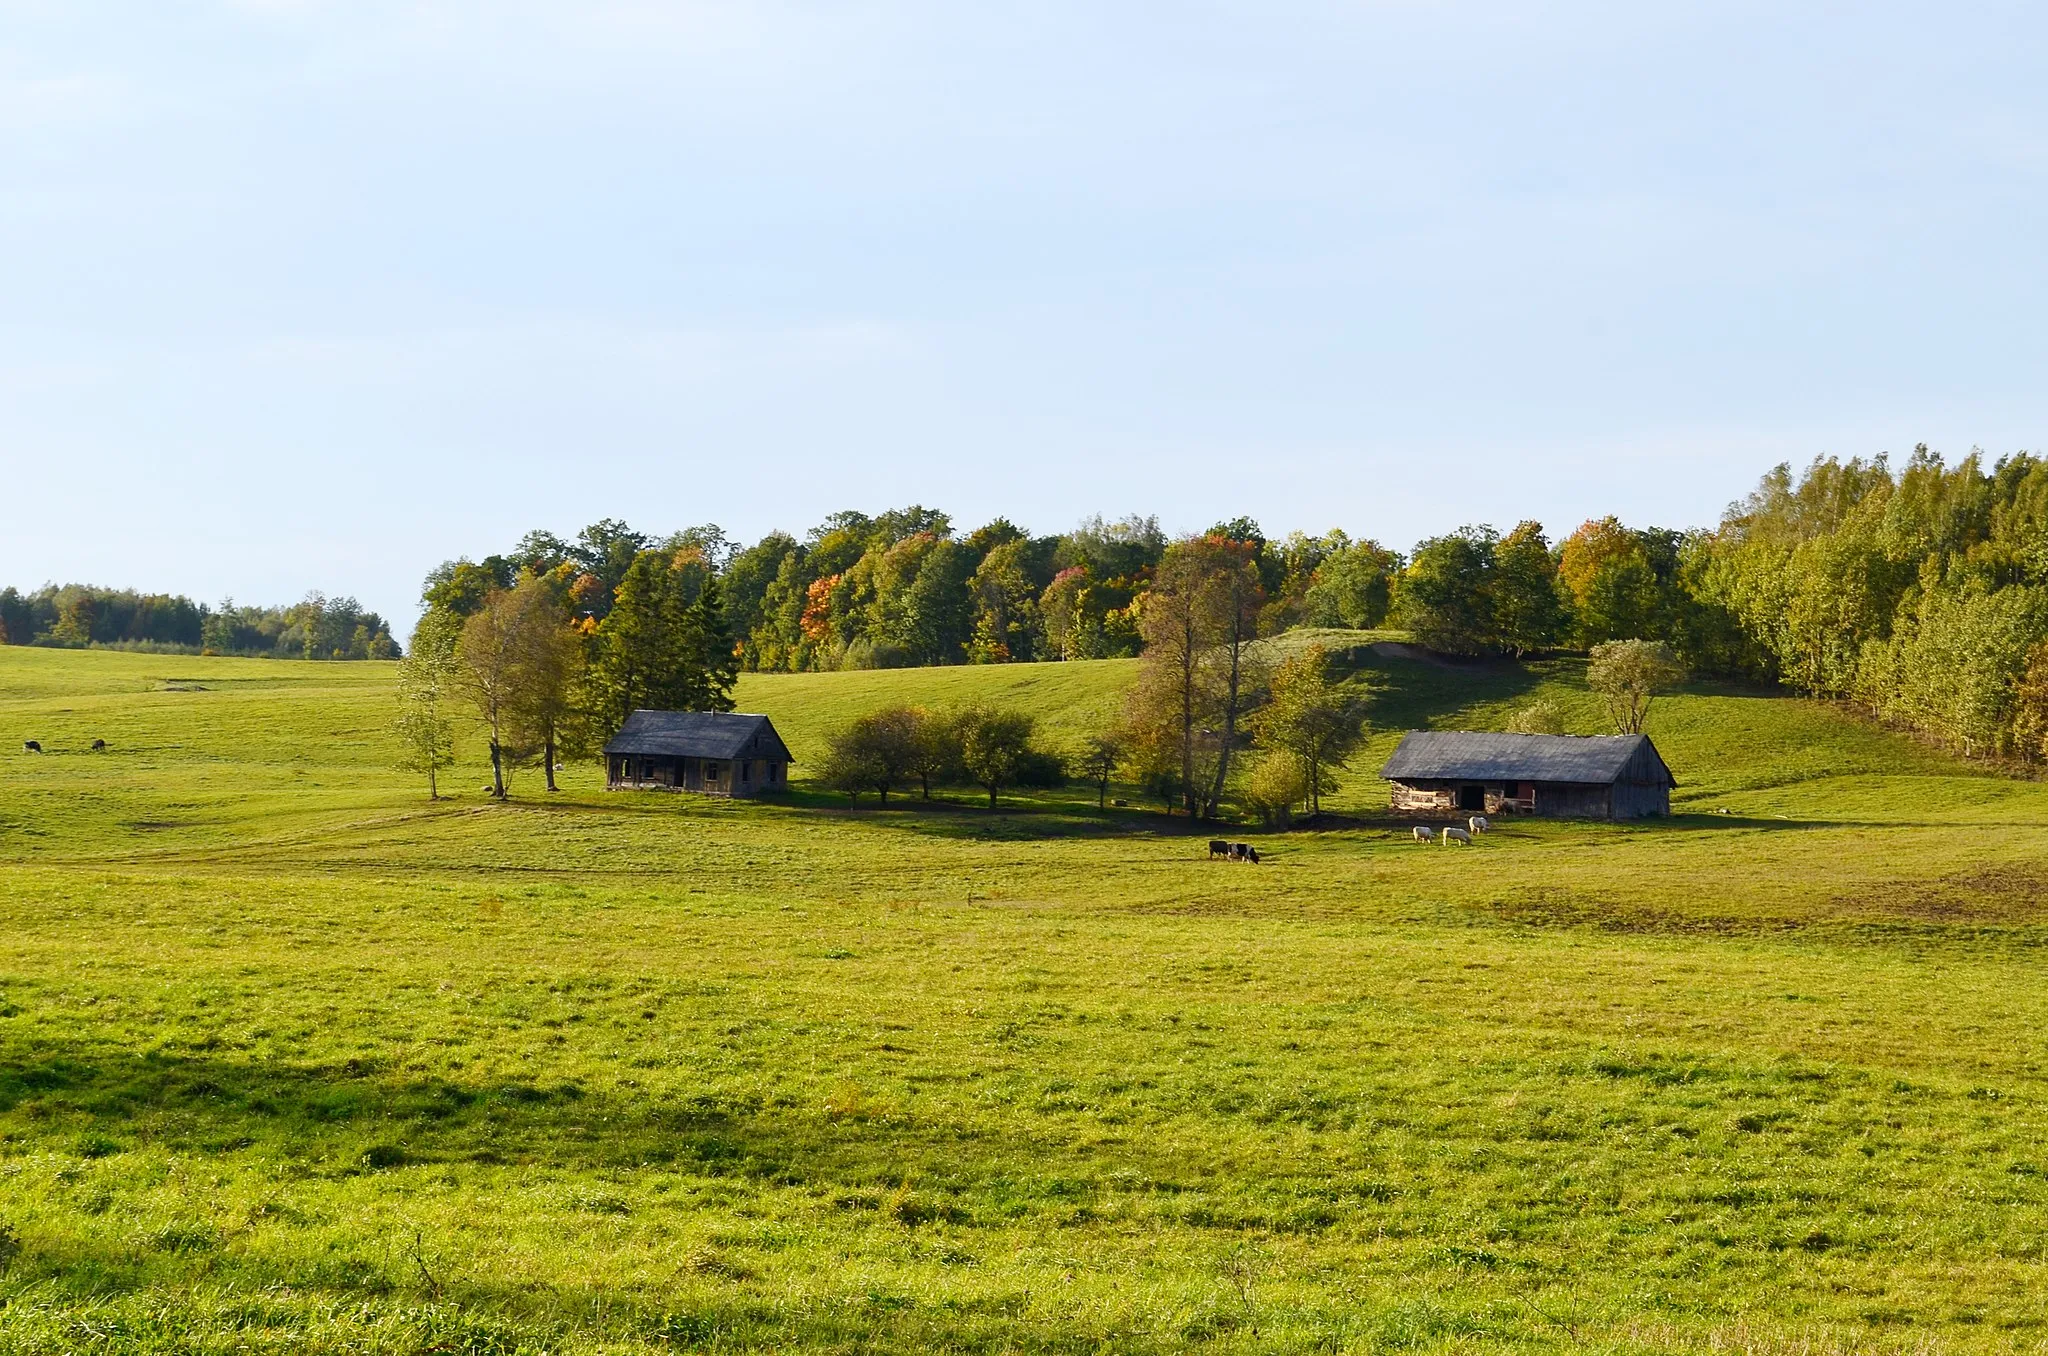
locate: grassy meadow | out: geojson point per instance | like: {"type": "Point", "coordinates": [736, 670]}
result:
{"type": "Point", "coordinates": [292, 1059]}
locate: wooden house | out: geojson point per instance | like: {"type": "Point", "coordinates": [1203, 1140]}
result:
{"type": "Point", "coordinates": [712, 752]}
{"type": "Point", "coordinates": [1445, 772]}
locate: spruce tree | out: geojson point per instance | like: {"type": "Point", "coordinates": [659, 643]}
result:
{"type": "Point", "coordinates": [715, 660]}
{"type": "Point", "coordinates": [658, 649]}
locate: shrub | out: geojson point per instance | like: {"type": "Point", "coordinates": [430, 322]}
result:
{"type": "Point", "coordinates": [1279, 782]}
{"type": "Point", "coordinates": [1538, 717]}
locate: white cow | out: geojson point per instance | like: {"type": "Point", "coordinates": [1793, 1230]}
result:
{"type": "Point", "coordinates": [1424, 834]}
{"type": "Point", "coordinates": [1479, 824]}
{"type": "Point", "coordinates": [1457, 836]}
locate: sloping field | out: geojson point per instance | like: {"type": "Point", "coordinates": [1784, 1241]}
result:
{"type": "Point", "coordinates": [291, 1059]}
{"type": "Point", "coordinates": [1070, 701]}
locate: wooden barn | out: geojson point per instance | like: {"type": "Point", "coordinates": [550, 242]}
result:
{"type": "Point", "coordinates": [712, 752]}
{"type": "Point", "coordinates": [1437, 772]}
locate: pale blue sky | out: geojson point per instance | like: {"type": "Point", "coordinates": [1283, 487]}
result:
{"type": "Point", "coordinates": [307, 294]}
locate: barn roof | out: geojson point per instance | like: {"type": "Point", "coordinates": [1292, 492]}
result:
{"type": "Point", "coordinates": [699, 734]}
{"type": "Point", "coordinates": [1458, 755]}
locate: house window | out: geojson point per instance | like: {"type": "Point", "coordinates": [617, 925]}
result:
{"type": "Point", "coordinates": [713, 771]}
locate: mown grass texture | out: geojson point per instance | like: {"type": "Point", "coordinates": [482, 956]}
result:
{"type": "Point", "coordinates": [291, 1059]}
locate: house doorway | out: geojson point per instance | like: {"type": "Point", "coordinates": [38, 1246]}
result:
{"type": "Point", "coordinates": [1471, 798]}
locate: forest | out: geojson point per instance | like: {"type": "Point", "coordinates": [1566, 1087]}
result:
{"type": "Point", "coordinates": [80, 616]}
{"type": "Point", "coordinates": [1918, 592]}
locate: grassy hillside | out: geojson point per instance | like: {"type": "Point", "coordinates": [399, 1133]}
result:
{"type": "Point", "coordinates": [1070, 701]}
{"type": "Point", "coordinates": [290, 1059]}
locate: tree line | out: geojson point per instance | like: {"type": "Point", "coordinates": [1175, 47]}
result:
{"type": "Point", "coordinates": [903, 588]}
{"type": "Point", "coordinates": [1918, 592]}
{"type": "Point", "coordinates": [82, 616]}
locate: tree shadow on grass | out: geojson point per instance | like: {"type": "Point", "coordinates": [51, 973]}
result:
{"type": "Point", "coordinates": [1708, 822]}
{"type": "Point", "coordinates": [1020, 817]}
{"type": "Point", "coordinates": [1021, 820]}
{"type": "Point", "coordinates": [1033, 818]}
{"type": "Point", "coordinates": [356, 1118]}
{"type": "Point", "coordinates": [1418, 693]}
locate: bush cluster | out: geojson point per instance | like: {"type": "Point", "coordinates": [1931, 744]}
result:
{"type": "Point", "coordinates": [905, 746]}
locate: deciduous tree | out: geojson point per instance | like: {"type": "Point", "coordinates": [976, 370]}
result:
{"type": "Point", "coordinates": [2030, 707]}
{"type": "Point", "coordinates": [1312, 720]}
{"type": "Point", "coordinates": [1445, 596]}
{"type": "Point", "coordinates": [1070, 612]}
{"type": "Point", "coordinates": [1237, 598]}
{"type": "Point", "coordinates": [1199, 620]}
{"type": "Point", "coordinates": [488, 673]}
{"type": "Point", "coordinates": [934, 755]}
{"type": "Point", "coordinates": [1005, 608]}
{"type": "Point", "coordinates": [1628, 675]}
{"type": "Point", "coordinates": [873, 753]}
{"type": "Point", "coordinates": [426, 689]}
{"type": "Point", "coordinates": [1528, 607]}
{"type": "Point", "coordinates": [1352, 586]}
{"type": "Point", "coordinates": [996, 749]}
{"type": "Point", "coordinates": [1101, 755]}
{"type": "Point", "coordinates": [938, 611]}
{"type": "Point", "coordinates": [545, 714]}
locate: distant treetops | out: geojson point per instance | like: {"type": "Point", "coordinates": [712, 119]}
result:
{"type": "Point", "coordinates": [904, 589]}
{"type": "Point", "coordinates": [81, 616]}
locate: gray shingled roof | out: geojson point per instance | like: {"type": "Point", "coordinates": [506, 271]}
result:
{"type": "Point", "coordinates": [699, 734]}
{"type": "Point", "coordinates": [1456, 755]}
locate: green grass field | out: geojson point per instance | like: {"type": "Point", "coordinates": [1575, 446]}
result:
{"type": "Point", "coordinates": [292, 1060]}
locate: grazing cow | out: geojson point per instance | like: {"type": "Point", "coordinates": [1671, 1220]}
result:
{"type": "Point", "coordinates": [31, 746]}
{"type": "Point", "coordinates": [1457, 836]}
{"type": "Point", "coordinates": [1219, 848]}
{"type": "Point", "coordinates": [99, 746]}
{"type": "Point", "coordinates": [1479, 824]}
{"type": "Point", "coordinates": [1247, 853]}
{"type": "Point", "coordinates": [1424, 834]}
